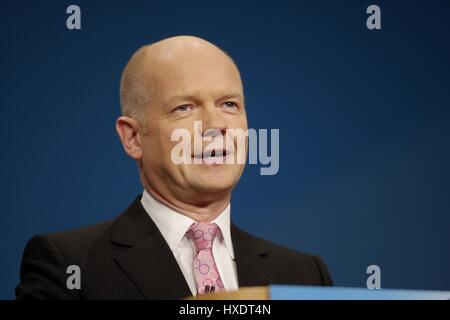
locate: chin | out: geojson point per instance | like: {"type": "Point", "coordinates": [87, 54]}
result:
{"type": "Point", "coordinates": [214, 183]}
{"type": "Point", "coordinates": [215, 178]}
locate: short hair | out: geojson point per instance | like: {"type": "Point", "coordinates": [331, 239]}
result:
{"type": "Point", "coordinates": [135, 89]}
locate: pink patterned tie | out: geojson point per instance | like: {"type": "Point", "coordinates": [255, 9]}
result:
{"type": "Point", "coordinates": [205, 270]}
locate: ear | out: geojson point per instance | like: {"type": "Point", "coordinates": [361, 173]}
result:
{"type": "Point", "coordinates": [129, 133]}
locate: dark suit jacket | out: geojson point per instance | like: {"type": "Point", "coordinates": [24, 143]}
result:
{"type": "Point", "coordinates": [128, 258]}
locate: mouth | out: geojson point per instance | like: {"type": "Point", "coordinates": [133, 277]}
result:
{"type": "Point", "coordinates": [214, 156]}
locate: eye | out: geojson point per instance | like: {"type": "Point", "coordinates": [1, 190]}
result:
{"type": "Point", "coordinates": [183, 108]}
{"type": "Point", "coordinates": [230, 105]}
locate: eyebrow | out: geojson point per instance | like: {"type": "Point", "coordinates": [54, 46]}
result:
{"type": "Point", "coordinates": [232, 96]}
{"type": "Point", "coordinates": [193, 97]}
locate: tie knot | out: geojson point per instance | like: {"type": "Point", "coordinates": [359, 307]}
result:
{"type": "Point", "coordinates": [203, 234]}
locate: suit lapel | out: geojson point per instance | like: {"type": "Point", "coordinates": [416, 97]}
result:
{"type": "Point", "coordinates": [145, 256]}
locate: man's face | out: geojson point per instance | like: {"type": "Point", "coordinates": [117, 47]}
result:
{"type": "Point", "coordinates": [204, 88]}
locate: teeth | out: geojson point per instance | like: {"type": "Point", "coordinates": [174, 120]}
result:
{"type": "Point", "coordinates": [213, 154]}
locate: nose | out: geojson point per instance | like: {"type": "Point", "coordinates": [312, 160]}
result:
{"type": "Point", "coordinates": [213, 121]}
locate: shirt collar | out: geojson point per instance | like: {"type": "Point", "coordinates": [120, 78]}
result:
{"type": "Point", "coordinates": [223, 221]}
{"type": "Point", "coordinates": [173, 225]}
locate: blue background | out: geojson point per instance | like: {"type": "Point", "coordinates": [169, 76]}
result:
{"type": "Point", "coordinates": [364, 119]}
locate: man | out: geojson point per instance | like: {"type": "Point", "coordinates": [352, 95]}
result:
{"type": "Point", "coordinates": [177, 239]}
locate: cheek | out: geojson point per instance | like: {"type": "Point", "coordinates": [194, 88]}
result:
{"type": "Point", "coordinates": [166, 145]}
{"type": "Point", "coordinates": [155, 145]}
{"type": "Point", "coordinates": [150, 153]}
{"type": "Point", "coordinates": [240, 122]}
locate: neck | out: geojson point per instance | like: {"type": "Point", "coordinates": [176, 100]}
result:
{"type": "Point", "coordinates": [205, 212]}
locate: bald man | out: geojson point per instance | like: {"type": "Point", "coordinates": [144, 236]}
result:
{"type": "Point", "coordinates": [177, 238]}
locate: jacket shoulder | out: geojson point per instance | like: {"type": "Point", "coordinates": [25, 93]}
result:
{"type": "Point", "coordinates": [46, 259]}
{"type": "Point", "coordinates": [74, 243]}
{"type": "Point", "coordinates": [311, 265]}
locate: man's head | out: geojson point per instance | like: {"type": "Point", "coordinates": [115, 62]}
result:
{"type": "Point", "coordinates": [167, 86]}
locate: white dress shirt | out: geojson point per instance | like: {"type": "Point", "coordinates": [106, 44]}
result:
{"type": "Point", "coordinates": [173, 226]}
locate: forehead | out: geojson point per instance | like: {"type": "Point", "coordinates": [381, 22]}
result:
{"type": "Point", "coordinates": [194, 74]}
